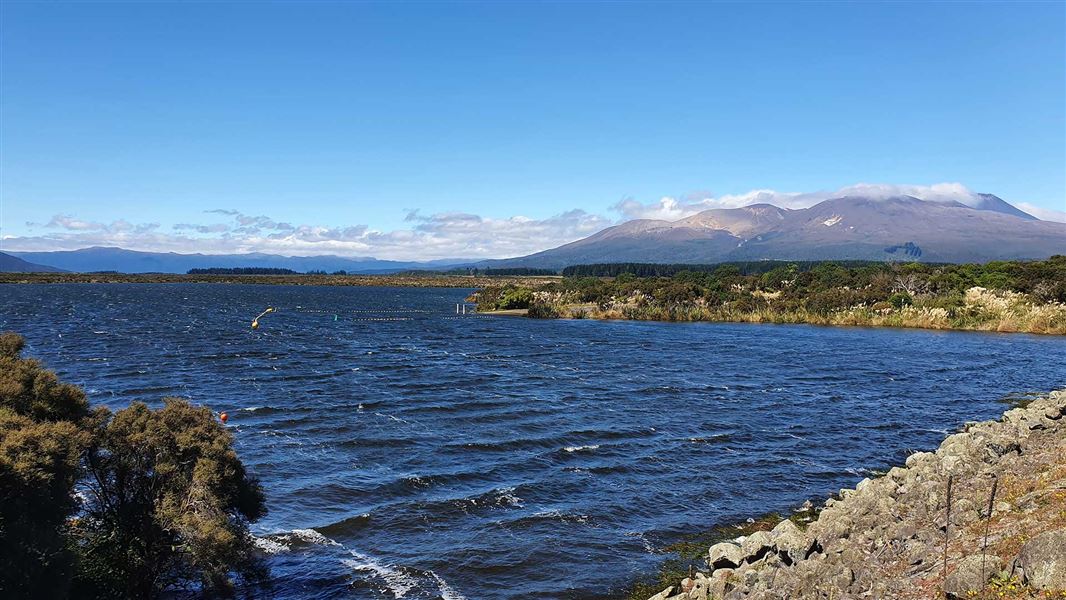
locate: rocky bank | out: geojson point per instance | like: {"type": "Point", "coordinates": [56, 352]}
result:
{"type": "Point", "coordinates": [1003, 530]}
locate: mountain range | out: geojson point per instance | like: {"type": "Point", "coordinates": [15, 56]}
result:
{"type": "Point", "coordinates": [850, 227]}
{"type": "Point", "coordinates": [900, 228]}
{"type": "Point", "coordinates": [101, 258]}
{"type": "Point", "coordinates": [14, 264]}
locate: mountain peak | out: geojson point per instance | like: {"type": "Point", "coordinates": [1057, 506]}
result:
{"type": "Point", "coordinates": [861, 227]}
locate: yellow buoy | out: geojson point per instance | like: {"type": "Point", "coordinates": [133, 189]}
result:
{"type": "Point", "coordinates": [255, 321]}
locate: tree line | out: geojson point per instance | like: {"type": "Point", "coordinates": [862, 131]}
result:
{"type": "Point", "coordinates": [1005, 295]}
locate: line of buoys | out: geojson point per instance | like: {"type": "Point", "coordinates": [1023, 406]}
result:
{"type": "Point", "coordinates": [363, 310]}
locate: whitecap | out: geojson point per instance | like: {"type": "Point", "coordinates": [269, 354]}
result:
{"type": "Point", "coordinates": [581, 448]}
{"type": "Point", "coordinates": [398, 582]}
{"type": "Point", "coordinates": [447, 592]}
{"type": "Point", "coordinates": [270, 546]}
{"type": "Point", "coordinates": [314, 537]}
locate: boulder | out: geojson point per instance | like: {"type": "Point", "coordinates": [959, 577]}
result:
{"type": "Point", "coordinates": [725, 555]}
{"type": "Point", "coordinates": [1043, 559]}
{"type": "Point", "coordinates": [696, 588]}
{"type": "Point", "coordinates": [790, 542]}
{"type": "Point", "coordinates": [756, 546]}
{"type": "Point", "coordinates": [971, 574]}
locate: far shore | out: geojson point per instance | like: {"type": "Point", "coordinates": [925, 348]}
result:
{"type": "Point", "coordinates": [396, 280]}
{"type": "Point", "coordinates": [510, 312]}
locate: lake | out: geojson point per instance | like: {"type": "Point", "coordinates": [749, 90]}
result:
{"type": "Point", "coordinates": [407, 451]}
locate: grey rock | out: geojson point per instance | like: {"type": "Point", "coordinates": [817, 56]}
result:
{"type": "Point", "coordinates": [725, 555]}
{"type": "Point", "coordinates": [790, 541]}
{"type": "Point", "coordinates": [1043, 559]}
{"type": "Point", "coordinates": [756, 546]}
{"type": "Point", "coordinates": [971, 574]}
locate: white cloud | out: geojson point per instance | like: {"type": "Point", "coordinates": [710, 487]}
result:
{"type": "Point", "coordinates": [442, 235]}
{"type": "Point", "coordinates": [672, 209]}
{"type": "Point", "coordinates": [1044, 214]}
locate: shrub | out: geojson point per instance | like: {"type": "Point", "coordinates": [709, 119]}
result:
{"type": "Point", "coordinates": [515, 298]}
{"type": "Point", "coordinates": [900, 299]}
{"type": "Point", "coordinates": [166, 501]}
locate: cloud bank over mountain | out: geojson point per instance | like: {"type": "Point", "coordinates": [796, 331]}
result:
{"type": "Point", "coordinates": [672, 209]}
{"type": "Point", "coordinates": [440, 235]}
{"type": "Point", "coordinates": [436, 236]}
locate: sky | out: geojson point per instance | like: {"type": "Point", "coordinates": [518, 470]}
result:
{"type": "Point", "coordinates": [492, 129]}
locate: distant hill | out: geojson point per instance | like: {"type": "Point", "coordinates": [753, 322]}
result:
{"type": "Point", "coordinates": [14, 264]}
{"type": "Point", "coordinates": [900, 228]}
{"type": "Point", "coordinates": [87, 260]}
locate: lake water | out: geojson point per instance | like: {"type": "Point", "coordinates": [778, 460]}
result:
{"type": "Point", "coordinates": [410, 452]}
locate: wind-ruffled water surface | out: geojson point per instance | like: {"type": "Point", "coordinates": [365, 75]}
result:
{"type": "Point", "coordinates": [409, 452]}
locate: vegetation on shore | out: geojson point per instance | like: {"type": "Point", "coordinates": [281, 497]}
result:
{"type": "Point", "coordinates": [132, 504]}
{"type": "Point", "coordinates": [398, 280]}
{"type": "Point", "coordinates": [1014, 296]}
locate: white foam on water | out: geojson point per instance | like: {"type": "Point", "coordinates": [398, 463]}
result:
{"type": "Point", "coordinates": [581, 448]}
{"type": "Point", "coordinates": [507, 497]}
{"type": "Point", "coordinates": [270, 546]}
{"type": "Point", "coordinates": [398, 582]}
{"type": "Point", "coordinates": [446, 591]}
{"type": "Point", "coordinates": [314, 537]}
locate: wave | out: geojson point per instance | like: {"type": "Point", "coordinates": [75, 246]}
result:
{"type": "Point", "coordinates": [398, 580]}
{"type": "Point", "coordinates": [581, 448]}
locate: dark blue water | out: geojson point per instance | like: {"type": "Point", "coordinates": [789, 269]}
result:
{"type": "Point", "coordinates": [436, 456]}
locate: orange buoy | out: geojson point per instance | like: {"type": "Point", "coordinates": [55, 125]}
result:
{"type": "Point", "coordinates": [223, 417]}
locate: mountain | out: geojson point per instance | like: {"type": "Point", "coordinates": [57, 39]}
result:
{"type": "Point", "coordinates": [852, 227]}
{"type": "Point", "coordinates": [997, 204]}
{"type": "Point", "coordinates": [131, 261]}
{"type": "Point", "coordinates": [14, 264]}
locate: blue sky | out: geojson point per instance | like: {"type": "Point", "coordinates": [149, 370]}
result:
{"type": "Point", "coordinates": [319, 126]}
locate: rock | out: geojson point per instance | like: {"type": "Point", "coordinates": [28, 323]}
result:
{"type": "Point", "coordinates": [665, 594]}
{"type": "Point", "coordinates": [720, 583]}
{"type": "Point", "coordinates": [725, 555]}
{"type": "Point", "coordinates": [757, 546]}
{"type": "Point", "coordinates": [1043, 559]}
{"type": "Point", "coordinates": [1054, 413]}
{"type": "Point", "coordinates": [919, 458]}
{"type": "Point", "coordinates": [696, 588]}
{"type": "Point", "coordinates": [968, 575]}
{"type": "Point", "coordinates": [790, 542]}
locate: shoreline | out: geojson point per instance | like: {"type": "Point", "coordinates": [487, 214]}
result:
{"type": "Point", "coordinates": [441, 281]}
{"type": "Point", "coordinates": [885, 538]}
{"type": "Point", "coordinates": [758, 321]}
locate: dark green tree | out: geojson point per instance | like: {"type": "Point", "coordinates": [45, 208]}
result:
{"type": "Point", "coordinates": [43, 435]}
{"type": "Point", "coordinates": [163, 502]}
{"type": "Point", "coordinates": [168, 508]}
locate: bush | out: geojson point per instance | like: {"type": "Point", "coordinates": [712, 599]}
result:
{"type": "Point", "coordinates": [900, 299]}
{"type": "Point", "coordinates": [166, 501]}
{"type": "Point", "coordinates": [43, 435]}
{"type": "Point", "coordinates": [515, 298]}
